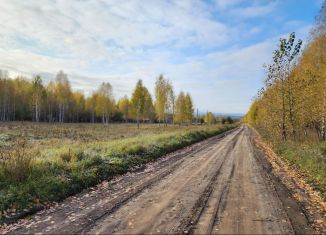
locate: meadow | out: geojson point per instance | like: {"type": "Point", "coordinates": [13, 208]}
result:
{"type": "Point", "coordinates": [42, 163]}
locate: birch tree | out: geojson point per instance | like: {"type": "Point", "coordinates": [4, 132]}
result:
{"type": "Point", "coordinates": [189, 109]}
{"type": "Point", "coordinates": [164, 99]}
{"type": "Point", "coordinates": [62, 94]}
{"type": "Point", "coordinates": [124, 107]}
{"type": "Point", "coordinates": [37, 98]}
{"type": "Point", "coordinates": [105, 102]}
{"type": "Point", "coordinates": [138, 101]}
{"type": "Point", "coordinates": [278, 76]}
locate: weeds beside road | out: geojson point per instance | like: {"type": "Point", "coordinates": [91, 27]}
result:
{"type": "Point", "coordinates": [309, 159]}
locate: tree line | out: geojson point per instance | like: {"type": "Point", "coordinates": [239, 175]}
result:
{"type": "Point", "coordinates": [22, 99]}
{"type": "Point", "coordinates": [292, 103]}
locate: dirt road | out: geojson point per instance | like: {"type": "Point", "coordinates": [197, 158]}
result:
{"type": "Point", "coordinates": [221, 185]}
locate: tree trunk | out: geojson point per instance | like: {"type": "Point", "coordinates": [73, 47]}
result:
{"type": "Point", "coordinates": [322, 130]}
{"type": "Point", "coordinates": [284, 134]}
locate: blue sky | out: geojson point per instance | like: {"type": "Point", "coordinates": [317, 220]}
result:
{"type": "Point", "coordinates": [214, 49]}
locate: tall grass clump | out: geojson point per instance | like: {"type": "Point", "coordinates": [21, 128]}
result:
{"type": "Point", "coordinates": [15, 163]}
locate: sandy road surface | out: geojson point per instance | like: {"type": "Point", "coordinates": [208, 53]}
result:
{"type": "Point", "coordinates": [220, 185]}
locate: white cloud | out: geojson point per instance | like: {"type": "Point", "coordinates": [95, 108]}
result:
{"type": "Point", "coordinates": [254, 10]}
{"type": "Point", "coordinates": [122, 41]}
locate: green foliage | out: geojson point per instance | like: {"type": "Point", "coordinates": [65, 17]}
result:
{"type": "Point", "coordinates": [227, 120]}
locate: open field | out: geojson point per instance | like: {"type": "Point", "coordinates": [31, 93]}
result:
{"type": "Point", "coordinates": [42, 163]}
{"type": "Point", "coordinates": [223, 185]}
{"type": "Point", "coordinates": [50, 135]}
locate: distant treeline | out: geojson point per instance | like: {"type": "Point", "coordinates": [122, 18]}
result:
{"type": "Point", "coordinates": [22, 99]}
{"type": "Point", "coordinates": [292, 104]}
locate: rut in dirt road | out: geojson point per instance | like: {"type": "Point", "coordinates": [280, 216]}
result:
{"type": "Point", "coordinates": [217, 186]}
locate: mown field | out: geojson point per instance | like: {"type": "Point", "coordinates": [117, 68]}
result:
{"type": "Point", "coordinates": [43, 163]}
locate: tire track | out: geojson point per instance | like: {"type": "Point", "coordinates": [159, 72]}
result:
{"type": "Point", "coordinates": [155, 179]}
{"type": "Point", "coordinates": [187, 225]}
{"type": "Point", "coordinates": [183, 181]}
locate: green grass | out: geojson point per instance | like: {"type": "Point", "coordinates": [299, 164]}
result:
{"type": "Point", "coordinates": [51, 172]}
{"type": "Point", "coordinates": [309, 159]}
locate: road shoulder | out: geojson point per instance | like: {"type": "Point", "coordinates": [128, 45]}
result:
{"type": "Point", "coordinates": [294, 192]}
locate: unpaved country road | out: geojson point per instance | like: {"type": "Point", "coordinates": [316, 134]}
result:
{"type": "Point", "coordinates": [220, 185]}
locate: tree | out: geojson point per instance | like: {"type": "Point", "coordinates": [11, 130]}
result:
{"type": "Point", "coordinates": [51, 101]}
{"type": "Point", "coordinates": [318, 43]}
{"type": "Point", "coordinates": [90, 105]}
{"type": "Point", "coordinates": [5, 95]}
{"type": "Point", "coordinates": [180, 108]}
{"type": "Point", "coordinates": [209, 118]}
{"type": "Point", "coordinates": [229, 120]}
{"type": "Point", "coordinates": [124, 107]}
{"type": "Point", "coordinates": [149, 110]}
{"type": "Point", "coordinates": [312, 69]}
{"type": "Point", "coordinates": [23, 95]}
{"type": "Point", "coordinates": [62, 94]}
{"type": "Point", "coordinates": [140, 101]}
{"type": "Point", "coordinates": [171, 101]}
{"type": "Point", "coordinates": [28, 99]}
{"type": "Point", "coordinates": [105, 102]}
{"type": "Point", "coordinates": [293, 102]}
{"type": "Point", "coordinates": [78, 104]}
{"type": "Point", "coordinates": [37, 97]}
{"type": "Point", "coordinates": [189, 110]}
{"type": "Point", "coordinates": [164, 99]}
{"type": "Point", "coordinates": [278, 77]}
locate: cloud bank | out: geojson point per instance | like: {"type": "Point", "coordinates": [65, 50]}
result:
{"type": "Point", "coordinates": [214, 49]}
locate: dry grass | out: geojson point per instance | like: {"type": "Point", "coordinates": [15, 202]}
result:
{"type": "Point", "coordinates": [15, 163]}
{"type": "Point", "coordinates": [46, 134]}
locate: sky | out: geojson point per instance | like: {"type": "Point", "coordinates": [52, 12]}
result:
{"type": "Point", "coordinates": [214, 49]}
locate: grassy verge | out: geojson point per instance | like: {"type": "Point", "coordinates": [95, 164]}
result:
{"type": "Point", "coordinates": [309, 159]}
{"type": "Point", "coordinates": [29, 179]}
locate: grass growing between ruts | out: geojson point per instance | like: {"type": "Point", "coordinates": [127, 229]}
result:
{"type": "Point", "coordinates": [30, 178]}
